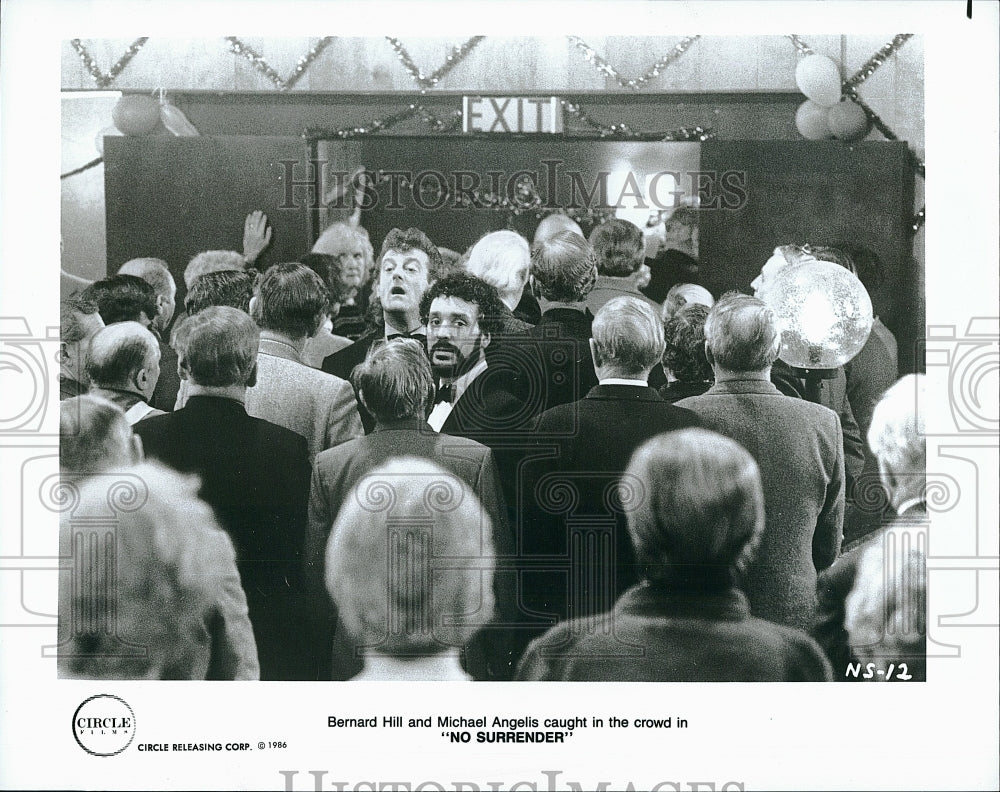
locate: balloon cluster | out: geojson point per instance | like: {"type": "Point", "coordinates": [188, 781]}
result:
{"type": "Point", "coordinates": [142, 114]}
{"type": "Point", "coordinates": [824, 115]}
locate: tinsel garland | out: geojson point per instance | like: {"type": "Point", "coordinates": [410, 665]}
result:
{"type": "Point", "coordinates": [104, 80]}
{"type": "Point", "coordinates": [918, 220]}
{"type": "Point", "coordinates": [258, 62]}
{"type": "Point", "coordinates": [876, 60]}
{"type": "Point", "coordinates": [372, 127]}
{"type": "Point", "coordinates": [426, 82]}
{"type": "Point", "coordinates": [800, 46]}
{"type": "Point", "coordinates": [598, 62]}
{"type": "Point", "coordinates": [622, 130]}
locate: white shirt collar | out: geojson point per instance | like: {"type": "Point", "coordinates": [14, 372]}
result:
{"type": "Point", "coordinates": [621, 381]}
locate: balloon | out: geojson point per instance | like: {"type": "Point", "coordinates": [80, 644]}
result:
{"type": "Point", "coordinates": [136, 114]}
{"type": "Point", "coordinates": [174, 120]}
{"type": "Point", "coordinates": [810, 120]}
{"type": "Point", "coordinates": [819, 79]}
{"type": "Point", "coordinates": [847, 121]}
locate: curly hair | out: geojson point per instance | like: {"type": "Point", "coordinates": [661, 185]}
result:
{"type": "Point", "coordinates": [415, 239]}
{"type": "Point", "coordinates": [473, 290]}
{"type": "Point", "coordinates": [684, 354]}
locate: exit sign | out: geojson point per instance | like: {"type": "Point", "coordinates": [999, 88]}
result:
{"type": "Point", "coordinates": [511, 114]}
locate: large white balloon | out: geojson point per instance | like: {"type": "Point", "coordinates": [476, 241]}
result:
{"type": "Point", "coordinates": [819, 79]}
{"type": "Point", "coordinates": [810, 120]}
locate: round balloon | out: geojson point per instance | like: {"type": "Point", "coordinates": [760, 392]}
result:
{"type": "Point", "coordinates": [847, 121]}
{"type": "Point", "coordinates": [136, 114]}
{"type": "Point", "coordinates": [810, 120]}
{"type": "Point", "coordinates": [819, 79]}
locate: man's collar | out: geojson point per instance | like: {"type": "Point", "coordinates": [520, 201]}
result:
{"type": "Point", "coordinates": [623, 381]}
{"type": "Point", "coordinates": [911, 503]}
{"type": "Point", "coordinates": [744, 386]}
{"type": "Point", "coordinates": [278, 347]}
{"type": "Point", "coordinates": [460, 385]}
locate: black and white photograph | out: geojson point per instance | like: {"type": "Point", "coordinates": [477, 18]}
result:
{"type": "Point", "coordinates": [501, 343]}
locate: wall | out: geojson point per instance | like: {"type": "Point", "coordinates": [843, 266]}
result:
{"type": "Point", "coordinates": [741, 87]}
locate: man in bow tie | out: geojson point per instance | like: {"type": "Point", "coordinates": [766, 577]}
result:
{"type": "Point", "coordinates": [407, 265]}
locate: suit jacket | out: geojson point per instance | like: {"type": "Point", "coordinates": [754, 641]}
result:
{"type": "Point", "coordinates": [289, 393]}
{"type": "Point", "coordinates": [562, 338]}
{"type": "Point", "coordinates": [584, 448]}
{"type": "Point", "coordinates": [658, 634]}
{"type": "Point", "coordinates": [834, 396]}
{"type": "Point", "coordinates": [609, 287]}
{"type": "Point", "coordinates": [255, 475]}
{"type": "Point", "coordinates": [337, 470]}
{"type": "Point", "coordinates": [836, 583]}
{"type": "Point", "coordinates": [799, 448]}
{"type": "Point", "coordinates": [165, 393]}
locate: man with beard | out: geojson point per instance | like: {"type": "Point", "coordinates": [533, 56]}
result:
{"type": "Point", "coordinates": [463, 313]}
{"type": "Point", "coordinates": [408, 264]}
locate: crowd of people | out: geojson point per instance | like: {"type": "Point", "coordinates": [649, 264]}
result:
{"type": "Point", "coordinates": [555, 460]}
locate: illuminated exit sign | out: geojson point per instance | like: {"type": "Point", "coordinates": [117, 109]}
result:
{"type": "Point", "coordinates": [511, 114]}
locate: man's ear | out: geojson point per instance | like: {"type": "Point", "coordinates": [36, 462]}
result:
{"type": "Point", "coordinates": [708, 354]}
{"type": "Point", "coordinates": [64, 356]}
{"type": "Point", "coordinates": [161, 304]}
{"type": "Point", "coordinates": [594, 355]}
{"type": "Point", "coordinates": [182, 368]}
{"type": "Point", "coordinates": [250, 307]}
{"type": "Point", "coordinates": [484, 340]}
{"type": "Point", "coordinates": [252, 379]}
{"type": "Point", "coordinates": [138, 454]}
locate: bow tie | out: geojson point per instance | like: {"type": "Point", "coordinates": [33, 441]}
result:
{"type": "Point", "coordinates": [421, 337]}
{"type": "Point", "coordinates": [444, 393]}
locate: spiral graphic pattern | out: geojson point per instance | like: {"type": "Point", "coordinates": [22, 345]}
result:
{"type": "Point", "coordinates": [942, 492]}
{"type": "Point", "coordinates": [973, 375]}
{"type": "Point", "coordinates": [59, 495]}
{"type": "Point", "coordinates": [442, 495]}
{"type": "Point", "coordinates": [376, 495]}
{"type": "Point", "coordinates": [624, 495]}
{"type": "Point", "coordinates": [127, 494]}
{"type": "Point", "coordinates": [557, 494]}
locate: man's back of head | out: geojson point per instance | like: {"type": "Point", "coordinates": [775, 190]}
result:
{"type": "Point", "coordinates": [563, 268]}
{"type": "Point", "coordinates": [897, 437]}
{"type": "Point", "coordinates": [742, 335]}
{"type": "Point", "coordinates": [395, 382]}
{"type": "Point", "coordinates": [212, 261]}
{"type": "Point", "coordinates": [123, 298]}
{"type": "Point", "coordinates": [290, 299]}
{"type": "Point", "coordinates": [217, 348]}
{"type": "Point", "coordinates": [627, 338]}
{"type": "Point", "coordinates": [124, 356]}
{"type": "Point", "coordinates": [227, 287]}
{"type": "Point", "coordinates": [553, 224]}
{"type": "Point", "coordinates": [619, 248]}
{"type": "Point", "coordinates": [94, 436]}
{"type": "Point", "coordinates": [502, 259]}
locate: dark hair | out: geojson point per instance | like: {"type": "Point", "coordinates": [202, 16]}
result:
{"type": "Point", "coordinates": [328, 268]}
{"type": "Point", "coordinates": [684, 354]}
{"type": "Point", "coordinates": [395, 380]}
{"type": "Point", "coordinates": [833, 254]}
{"type": "Point", "coordinates": [228, 287]}
{"type": "Point", "coordinates": [473, 290]}
{"type": "Point", "coordinates": [563, 267]}
{"type": "Point", "coordinates": [618, 246]}
{"type": "Point", "coordinates": [415, 239]}
{"type": "Point", "coordinates": [290, 299]}
{"type": "Point", "coordinates": [70, 311]}
{"type": "Point", "coordinates": [868, 265]}
{"type": "Point", "coordinates": [122, 298]}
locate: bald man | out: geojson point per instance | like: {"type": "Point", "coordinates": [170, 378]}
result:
{"type": "Point", "coordinates": [555, 224]}
{"type": "Point", "coordinates": [156, 273]}
{"type": "Point", "coordinates": [123, 365]}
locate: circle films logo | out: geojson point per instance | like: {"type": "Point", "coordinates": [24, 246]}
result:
{"type": "Point", "coordinates": [104, 725]}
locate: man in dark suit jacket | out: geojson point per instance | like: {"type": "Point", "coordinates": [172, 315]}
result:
{"type": "Point", "coordinates": [254, 474]}
{"type": "Point", "coordinates": [407, 265]}
{"type": "Point", "coordinates": [797, 445]}
{"type": "Point", "coordinates": [563, 273]}
{"type": "Point", "coordinates": [897, 439]}
{"type": "Point", "coordinates": [573, 499]}
{"type": "Point", "coordinates": [396, 386]}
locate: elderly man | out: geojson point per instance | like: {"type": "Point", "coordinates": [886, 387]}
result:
{"type": "Point", "coordinates": [156, 273]}
{"type": "Point", "coordinates": [392, 567]}
{"type": "Point", "coordinates": [168, 584]}
{"type": "Point", "coordinates": [797, 445]}
{"type": "Point", "coordinates": [897, 439]}
{"type": "Point", "coordinates": [123, 366]}
{"type": "Point", "coordinates": [563, 273]}
{"type": "Point", "coordinates": [503, 260]}
{"type": "Point", "coordinates": [254, 474]}
{"type": "Point", "coordinates": [79, 322]}
{"type": "Point", "coordinates": [212, 261]}
{"type": "Point", "coordinates": [408, 264]}
{"type": "Point", "coordinates": [396, 385]}
{"type": "Point", "coordinates": [94, 436]}
{"type": "Point", "coordinates": [694, 532]}
{"type": "Point", "coordinates": [620, 250]}
{"type": "Point", "coordinates": [289, 304]}
{"type": "Point", "coordinates": [593, 440]}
